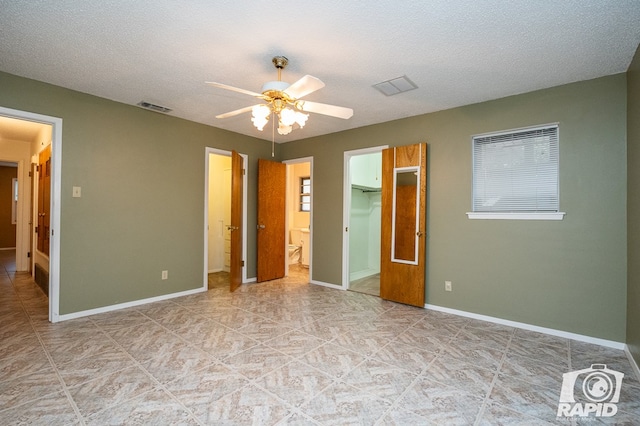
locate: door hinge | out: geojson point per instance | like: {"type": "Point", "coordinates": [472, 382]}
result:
{"type": "Point", "coordinates": [36, 231]}
{"type": "Point", "coordinates": [244, 172]}
{"type": "Point", "coordinates": [242, 263]}
{"type": "Point", "coordinates": [28, 254]}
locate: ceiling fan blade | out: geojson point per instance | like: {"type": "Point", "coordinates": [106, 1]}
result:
{"type": "Point", "coordinates": [304, 86]}
{"type": "Point", "coordinates": [332, 110]}
{"type": "Point", "coordinates": [235, 89]}
{"type": "Point", "coordinates": [236, 112]}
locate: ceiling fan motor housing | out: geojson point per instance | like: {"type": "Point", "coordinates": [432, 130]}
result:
{"type": "Point", "coordinates": [274, 86]}
{"type": "Point", "coordinates": [280, 61]}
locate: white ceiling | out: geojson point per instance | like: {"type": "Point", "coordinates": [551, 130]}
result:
{"type": "Point", "coordinates": [457, 52]}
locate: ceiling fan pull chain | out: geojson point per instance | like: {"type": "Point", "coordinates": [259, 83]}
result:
{"type": "Point", "coordinates": [273, 134]}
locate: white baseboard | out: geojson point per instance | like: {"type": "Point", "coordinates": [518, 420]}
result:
{"type": "Point", "coordinates": [323, 284]}
{"type": "Point", "coordinates": [362, 274]}
{"type": "Point", "coordinates": [250, 280]}
{"type": "Point", "coordinates": [111, 308]}
{"type": "Point", "coordinates": [633, 363]}
{"type": "Point", "coordinates": [524, 326]}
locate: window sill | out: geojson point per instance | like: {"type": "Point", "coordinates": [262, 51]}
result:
{"type": "Point", "coordinates": [516, 216]}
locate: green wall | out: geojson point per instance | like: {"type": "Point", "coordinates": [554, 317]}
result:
{"type": "Point", "coordinates": [633, 206]}
{"type": "Point", "coordinates": [568, 275]}
{"type": "Point", "coordinates": [142, 207]}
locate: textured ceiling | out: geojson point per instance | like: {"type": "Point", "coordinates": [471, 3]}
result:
{"type": "Point", "coordinates": [456, 52]}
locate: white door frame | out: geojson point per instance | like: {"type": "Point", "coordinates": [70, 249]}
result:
{"type": "Point", "coordinates": [286, 245]}
{"type": "Point", "coordinates": [56, 191]}
{"type": "Point", "coordinates": [346, 207]}
{"type": "Point", "coordinates": [245, 159]}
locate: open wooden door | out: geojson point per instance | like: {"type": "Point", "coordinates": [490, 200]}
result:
{"type": "Point", "coordinates": [32, 226]}
{"type": "Point", "coordinates": [236, 262]}
{"type": "Point", "coordinates": [402, 262]}
{"type": "Point", "coordinates": [271, 241]}
{"type": "Point", "coordinates": [44, 200]}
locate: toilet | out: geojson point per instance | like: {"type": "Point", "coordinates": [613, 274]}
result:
{"type": "Point", "coordinates": [295, 246]}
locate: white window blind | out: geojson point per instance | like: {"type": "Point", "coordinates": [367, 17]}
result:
{"type": "Point", "coordinates": [516, 171]}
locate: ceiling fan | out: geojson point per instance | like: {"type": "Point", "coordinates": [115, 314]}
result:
{"type": "Point", "coordinates": [284, 100]}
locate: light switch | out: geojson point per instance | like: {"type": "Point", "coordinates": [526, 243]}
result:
{"type": "Point", "coordinates": [77, 192]}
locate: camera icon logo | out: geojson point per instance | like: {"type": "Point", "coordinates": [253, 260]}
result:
{"type": "Point", "coordinates": [594, 390]}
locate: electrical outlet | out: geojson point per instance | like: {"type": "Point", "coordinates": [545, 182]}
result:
{"type": "Point", "coordinates": [165, 275]}
{"type": "Point", "coordinates": [447, 286]}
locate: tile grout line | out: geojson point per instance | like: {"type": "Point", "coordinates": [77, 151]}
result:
{"type": "Point", "coordinates": [65, 390]}
{"type": "Point", "coordinates": [480, 414]}
{"type": "Point", "coordinates": [420, 376]}
{"type": "Point", "coordinates": [153, 378]}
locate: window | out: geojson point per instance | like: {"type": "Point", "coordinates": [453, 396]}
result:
{"type": "Point", "coordinates": [305, 194]}
{"type": "Point", "coordinates": [515, 175]}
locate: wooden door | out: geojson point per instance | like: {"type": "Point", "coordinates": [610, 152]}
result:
{"type": "Point", "coordinates": [44, 199]}
{"type": "Point", "coordinates": [33, 187]}
{"type": "Point", "coordinates": [271, 220]}
{"type": "Point", "coordinates": [402, 262]}
{"type": "Point", "coordinates": [236, 263]}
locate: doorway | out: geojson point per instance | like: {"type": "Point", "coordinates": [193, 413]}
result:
{"type": "Point", "coordinates": [8, 204]}
{"type": "Point", "coordinates": [219, 216]}
{"type": "Point", "coordinates": [49, 133]}
{"type": "Point", "coordinates": [362, 220]}
{"type": "Point", "coordinates": [299, 210]}
{"type": "Point", "coordinates": [218, 219]}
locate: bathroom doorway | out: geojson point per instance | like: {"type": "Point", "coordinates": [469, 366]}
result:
{"type": "Point", "coordinates": [225, 219]}
{"type": "Point", "coordinates": [299, 206]}
{"type": "Point", "coordinates": [219, 215]}
{"type": "Point", "coordinates": [361, 218]}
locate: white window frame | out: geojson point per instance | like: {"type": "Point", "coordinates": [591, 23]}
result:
{"type": "Point", "coordinates": [512, 215]}
{"type": "Point", "coordinates": [304, 206]}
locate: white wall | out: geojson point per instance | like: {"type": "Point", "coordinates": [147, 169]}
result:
{"type": "Point", "coordinates": [366, 170]}
{"type": "Point", "coordinates": [219, 210]}
{"type": "Point", "coordinates": [364, 222]}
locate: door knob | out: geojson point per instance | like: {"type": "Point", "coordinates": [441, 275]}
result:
{"type": "Point", "coordinates": [260, 226]}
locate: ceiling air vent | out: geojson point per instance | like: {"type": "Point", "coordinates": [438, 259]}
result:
{"type": "Point", "coordinates": [395, 86]}
{"type": "Point", "coordinates": [153, 107]}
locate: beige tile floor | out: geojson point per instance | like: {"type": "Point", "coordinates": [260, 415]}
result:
{"type": "Point", "coordinates": [367, 285]}
{"type": "Point", "coordinates": [282, 352]}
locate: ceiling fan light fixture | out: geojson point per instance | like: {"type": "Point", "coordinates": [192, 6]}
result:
{"type": "Point", "coordinates": [283, 129]}
{"type": "Point", "coordinates": [301, 118]}
{"type": "Point", "coordinates": [287, 117]}
{"type": "Point", "coordinates": [260, 116]}
{"type": "Point", "coordinates": [283, 99]}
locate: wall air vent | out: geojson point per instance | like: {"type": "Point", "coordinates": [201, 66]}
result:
{"type": "Point", "coordinates": [395, 86]}
{"type": "Point", "coordinates": [153, 107]}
